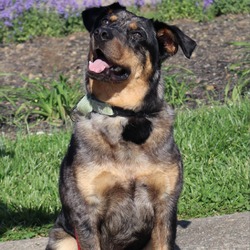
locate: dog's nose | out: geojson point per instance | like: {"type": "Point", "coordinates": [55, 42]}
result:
{"type": "Point", "coordinates": [103, 34]}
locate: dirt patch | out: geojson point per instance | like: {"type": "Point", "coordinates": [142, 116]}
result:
{"type": "Point", "coordinates": [214, 54]}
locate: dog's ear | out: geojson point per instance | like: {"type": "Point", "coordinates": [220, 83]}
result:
{"type": "Point", "coordinates": [92, 15]}
{"type": "Point", "coordinates": [170, 37]}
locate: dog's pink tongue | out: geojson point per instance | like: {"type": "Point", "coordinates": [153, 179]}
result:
{"type": "Point", "coordinates": [98, 66]}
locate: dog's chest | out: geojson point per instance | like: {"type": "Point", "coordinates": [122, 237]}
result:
{"type": "Point", "coordinates": [122, 181]}
{"type": "Point", "coordinates": [108, 165]}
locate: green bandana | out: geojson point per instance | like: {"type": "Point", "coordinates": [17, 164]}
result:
{"type": "Point", "coordinates": [87, 105]}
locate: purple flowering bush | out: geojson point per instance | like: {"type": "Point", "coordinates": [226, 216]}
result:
{"type": "Point", "coordinates": [21, 20]}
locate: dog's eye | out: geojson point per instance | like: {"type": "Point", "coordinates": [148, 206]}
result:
{"type": "Point", "coordinates": [137, 36]}
{"type": "Point", "coordinates": [105, 21]}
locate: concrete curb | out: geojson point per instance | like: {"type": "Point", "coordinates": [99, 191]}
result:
{"type": "Point", "coordinates": [227, 232]}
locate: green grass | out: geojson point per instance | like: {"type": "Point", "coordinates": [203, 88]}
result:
{"type": "Point", "coordinates": [215, 146]}
{"type": "Point", "coordinates": [214, 142]}
{"type": "Point", "coordinates": [28, 179]}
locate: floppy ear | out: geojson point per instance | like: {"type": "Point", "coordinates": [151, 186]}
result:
{"type": "Point", "coordinates": [170, 38]}
{"type": "Point", "coordinates": [91, 15]}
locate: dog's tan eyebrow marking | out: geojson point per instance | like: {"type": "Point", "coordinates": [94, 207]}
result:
{"type": "Point", "coordinates": [133, 25]}
{"type": "Point", "coordinates": [113, 18]}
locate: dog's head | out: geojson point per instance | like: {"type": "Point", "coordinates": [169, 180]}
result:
{"type": "Point", "coordinates": [126, 52]}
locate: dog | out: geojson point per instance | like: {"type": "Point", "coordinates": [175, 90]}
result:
{"type": "Point", "coordinates": [122, 174]}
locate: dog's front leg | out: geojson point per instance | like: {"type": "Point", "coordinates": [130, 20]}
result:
{"type": "Point", "coordinates": [86, 235]}
{"type": "Point", "coordinates": [83, 220]}
{"type": "Point", "coordinates": [72, 233]}
{"type": "Point", "coordinates": [78, 216]}
{"type": "Point", "coordinates": [164, 231]}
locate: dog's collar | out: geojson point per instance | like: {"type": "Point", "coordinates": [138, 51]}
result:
{"type": "Point", "coordinates": [90, 104]}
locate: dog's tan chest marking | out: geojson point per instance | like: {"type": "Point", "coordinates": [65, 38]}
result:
{"type": "Point", "coordinates": [95, 182]}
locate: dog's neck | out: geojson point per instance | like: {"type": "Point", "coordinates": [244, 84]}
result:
{"type": "Point", "coordinates": [90, 104]}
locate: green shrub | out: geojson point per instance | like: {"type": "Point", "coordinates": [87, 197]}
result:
{"type": "Point", "coordinates": [200, 10]}
{"type": "Point", "coordinates": [170, 10]}
{"type": "Point", "coordinates": [220, 7]}
{"type": "Point", "coordinates": [34, 23]}
{"type": "Point", "coordinates": [176, 89]}
{"type": "Point", "coordinates": [39, 99]}
{"type": "Point", "coordinates": [241, 68]}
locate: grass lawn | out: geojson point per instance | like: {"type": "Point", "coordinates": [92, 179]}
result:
{"type": "Point", "coordinates": [215, 146]}
{"type": "Point", "coordinates": [214, 142]}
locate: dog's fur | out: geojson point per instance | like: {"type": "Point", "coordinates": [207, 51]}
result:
{"type": "Point", "coordinates": [122, 175]}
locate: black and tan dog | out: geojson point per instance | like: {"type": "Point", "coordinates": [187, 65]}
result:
{"type": "Point", "coordinates": [122, 175]}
